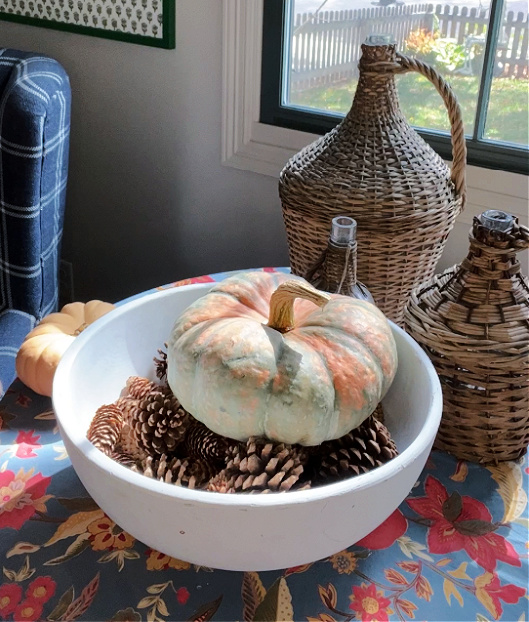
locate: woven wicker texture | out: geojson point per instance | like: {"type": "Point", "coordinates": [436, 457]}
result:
{"type": "Point", "coordinates": [376, 169]}
{"type": "Point", "coordinates": [335, 270]}
{"type": "Point", "coordinates": [473, 321]}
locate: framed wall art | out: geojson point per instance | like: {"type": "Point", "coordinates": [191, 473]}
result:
{"type": "Point", "coordinates": [147, 22]}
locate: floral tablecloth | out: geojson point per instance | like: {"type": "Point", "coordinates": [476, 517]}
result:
{"type": "Point", "coordinates": [456, 549]}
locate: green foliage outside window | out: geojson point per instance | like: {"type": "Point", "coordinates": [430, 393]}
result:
{"type": "Point", "coordinates": [443, 54]}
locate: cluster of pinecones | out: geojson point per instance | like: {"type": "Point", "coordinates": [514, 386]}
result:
{"type": "Point", "coordinates": [149, 431]}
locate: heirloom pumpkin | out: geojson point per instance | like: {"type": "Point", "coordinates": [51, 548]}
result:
{"type": "Point", "coordinates": [266, 354]}
{"type": "Point", "coordinates": [44, 346]}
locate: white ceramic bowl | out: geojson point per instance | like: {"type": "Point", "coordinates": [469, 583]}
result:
{"type": "Point", "coordinates": [234, 532]}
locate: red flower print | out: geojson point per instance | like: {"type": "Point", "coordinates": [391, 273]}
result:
{"type": "Point", "coordinates": [126, 615]}
{"type": "Point", "coordinates": [182, 595]}
{"type": "Point", "coordinates": [26, 443]}
{"type": "Point", "coordinates": [489, 592]}
{"type": "Point", "coordinates": [193, 280]}
{"type": "Point", "coordinates": [161, 561]}
{"type": "Point", "coordinates": [10, 595]}
{"type": "Point", "coordinates": [21, 495]}
{"type": "Point", "coordinates": [385, 535]}
{"type": "Point", "coordinates": [23, 400]}
{"type": "Point", "coordinates": [462, 523]}
{"type": "Point", "coordinates": [105, 534]}
{"type": "Point", "coordinates": [42, 588]}
{"type": "Point", "coordinates": [370, 605]}
{"type": "Point", "coordinates": [5, 417]}
{"type": "Point", "coordinates": [28, 610]}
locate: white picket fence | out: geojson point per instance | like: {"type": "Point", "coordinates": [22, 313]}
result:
{"type": "Point", "coordinates": [326, 46]}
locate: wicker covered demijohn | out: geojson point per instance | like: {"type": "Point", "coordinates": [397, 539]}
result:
{"type": "Point", "coordinates": [473, 321]}
{"type": "Point", "coordinates": [375, 168]}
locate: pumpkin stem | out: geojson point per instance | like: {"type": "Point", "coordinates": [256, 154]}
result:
{"type": "Point", "coordinates": [80, 329]}
{"type": "Point", "coordinates": [282, 303]}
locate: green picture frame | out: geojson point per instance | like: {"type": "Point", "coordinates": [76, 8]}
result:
{"type": "Point", "coordinates": [72, 16]}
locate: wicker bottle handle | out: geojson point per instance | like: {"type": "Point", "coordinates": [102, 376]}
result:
{"type": "Point", "coordinates": [405, 64]}
{"type": "Point", "coordinates": [459, 148]}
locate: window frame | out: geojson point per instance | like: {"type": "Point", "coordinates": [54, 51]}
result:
{"type": "Point", "coordinates": [480, 151]}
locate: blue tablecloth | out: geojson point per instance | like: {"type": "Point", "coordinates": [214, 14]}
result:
{"type": "Point", "coordinates": [456, 549]}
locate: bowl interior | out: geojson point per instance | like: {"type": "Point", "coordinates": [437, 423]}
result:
{"type": "Point", "coordinates": [123, 343]}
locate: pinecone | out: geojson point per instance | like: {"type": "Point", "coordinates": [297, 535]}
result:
{"type": "Point", "coordinates": [123, 458]}
{"type": "Point", "coordinates": [179, 471]}
{"type": "Point", "coordinates": [221, 482]}
{"type": "Point", "coordinates": [161, 364]}
{"type": "Point", "coordinates": [127, 405]}
{"type": "Point", "coordinates": [159, 422]}
{"type": "Point", "coordinates": [379, 413]}
{"type": "Point", "coordinates": [129, 443]}
{"type": "Point", "coordinates": [262, 466]}
{"type": "Point", "coordinates": [139, 388]}
{"type": "Point", "coordinates": [204, 444]}
{"type": "Point", "coordinates": [105, 428]}
{"type": "Point", "coordinates": [364, 448]}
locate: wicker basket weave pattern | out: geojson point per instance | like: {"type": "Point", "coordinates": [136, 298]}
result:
{"type": "Point", "coordinates": [376, 169]}
{"type": "Point", "coordinates": [473, 321]}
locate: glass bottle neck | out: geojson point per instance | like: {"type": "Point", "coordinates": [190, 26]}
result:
{"type": "Point", "coordinates": [339, 269]}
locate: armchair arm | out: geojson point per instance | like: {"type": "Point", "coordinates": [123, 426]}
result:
{"type": "Point", "coordinates": [35, 102]}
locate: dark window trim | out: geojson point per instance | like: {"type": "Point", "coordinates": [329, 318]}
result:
{"type": "Point", "coordinates": [481, 152]}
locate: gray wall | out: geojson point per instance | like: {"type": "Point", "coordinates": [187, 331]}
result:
{"type": "Point", "coordinates": [148, 200]}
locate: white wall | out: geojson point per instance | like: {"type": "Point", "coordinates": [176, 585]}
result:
{"type": "Point", "coordinates": [149, 201]}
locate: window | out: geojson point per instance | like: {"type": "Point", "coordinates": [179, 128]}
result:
{"type": "Point", "coordinates": [311, 50]}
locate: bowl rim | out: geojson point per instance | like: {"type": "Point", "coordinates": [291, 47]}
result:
{"type": "Point", "coordinates": [77, 437]}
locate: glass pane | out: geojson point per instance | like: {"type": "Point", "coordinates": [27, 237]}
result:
{"type": "Point", "coordinates": [507, 115]}
{"type": "Point", "coordinates": [325, 48]}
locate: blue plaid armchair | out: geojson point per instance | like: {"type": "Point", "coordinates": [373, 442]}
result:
{"type": "Point", "coordinates": [34, 140]}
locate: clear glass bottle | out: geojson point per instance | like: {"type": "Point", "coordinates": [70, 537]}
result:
{"type": "Point", "coordinates": [335, 271]}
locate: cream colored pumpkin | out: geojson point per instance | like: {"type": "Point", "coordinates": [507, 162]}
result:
{"type": "Point", "coordinates": [252, 358]}
{"type": "Point", "coordinates": [44, 346]}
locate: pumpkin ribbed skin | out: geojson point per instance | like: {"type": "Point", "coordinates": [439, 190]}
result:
{"type": "Point", "coordinates": [242, 378]}
{"type": "Point", "coordinates": [43, 347]}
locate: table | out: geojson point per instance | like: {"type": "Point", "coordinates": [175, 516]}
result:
{"type": "Point", "coordinates": [456, 549]}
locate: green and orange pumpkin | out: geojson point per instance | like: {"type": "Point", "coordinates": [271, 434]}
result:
{"type": "Point", "coordinates": [266, 354]}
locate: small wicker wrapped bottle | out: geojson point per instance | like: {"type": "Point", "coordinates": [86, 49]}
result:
{"type": "Point", "coordinates": [335, 270]}
{"type": "Point", "coordinates": [376, 169]}
{"type": "Point", "coordinates": [473, 321]}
